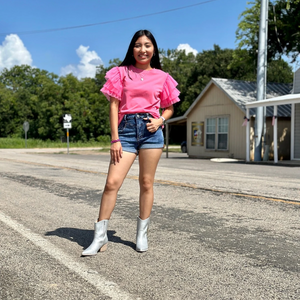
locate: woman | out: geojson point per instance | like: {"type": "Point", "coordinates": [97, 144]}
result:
{"type": "Point", "coordinates": [137, 89]}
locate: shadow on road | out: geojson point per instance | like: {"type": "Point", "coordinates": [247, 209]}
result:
{"type": "Point", "coordinates": [84, 237]}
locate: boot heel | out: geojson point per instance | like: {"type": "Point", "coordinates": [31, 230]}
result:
{"type": "Point", "coordinates": [103, 248]}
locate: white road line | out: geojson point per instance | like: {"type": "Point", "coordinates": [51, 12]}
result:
{"type": "Point", "coordinates": [108, 288]}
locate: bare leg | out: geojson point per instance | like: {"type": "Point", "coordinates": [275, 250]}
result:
{"type": "Point", "coordinates": [148, 160]}
{"type": "Point", "coordinates": [115, 177]}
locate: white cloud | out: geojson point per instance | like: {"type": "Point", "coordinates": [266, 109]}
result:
{"type": "Point", "coordinates": [13, 52]}
{"type": "Point", "coordinates": [87, 65]}
{"type": "Point", "coordinates": [187, 48]}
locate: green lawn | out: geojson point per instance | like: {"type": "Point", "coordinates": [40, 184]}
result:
{"type": "Point", "coordinates": [18, 143]}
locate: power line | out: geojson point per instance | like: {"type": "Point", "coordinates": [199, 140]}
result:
{"type": "Point", "coordinates": [107, 22]}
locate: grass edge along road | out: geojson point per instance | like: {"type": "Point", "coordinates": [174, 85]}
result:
{"type": "Point", "coordinates": [102, 146]}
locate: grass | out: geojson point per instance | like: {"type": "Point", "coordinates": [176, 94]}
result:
{"type": "Point", "coordinates": [177, 149]}
{"type": "Point", "coordinates": [18, 143]}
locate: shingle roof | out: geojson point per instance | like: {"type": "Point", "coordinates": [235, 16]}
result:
{"type": "Point", "coordinates": [242, 92]}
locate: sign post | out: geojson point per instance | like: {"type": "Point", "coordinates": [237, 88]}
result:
{"type": "Point", "coordinates": [68, 140]}
{"type": "Point", "coordinates": [26, 128]}
{"type": "Point", "coordinates": [67, 125]}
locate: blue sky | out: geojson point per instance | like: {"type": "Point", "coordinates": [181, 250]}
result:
{"type": "Point", "coordinates": [79, 50]}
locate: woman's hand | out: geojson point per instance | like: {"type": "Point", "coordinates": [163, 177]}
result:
{"type": "Point", "coordinates": [116, 152]}
{"type": "Point", "coordinates": [154, 124]}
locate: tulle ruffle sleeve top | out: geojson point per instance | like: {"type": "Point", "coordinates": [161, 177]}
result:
{"type": "Point", "coordinates": [140, 91]}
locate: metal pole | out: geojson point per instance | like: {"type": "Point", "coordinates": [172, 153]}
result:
{"type": "Point", "coordinates": [25, 139]}
{"type": "Point", "coordinates": [260, 79]}
{"type": "Point", "coordinates": [266, 147]}
{"type": "Point", "coordinates": [68, 139]}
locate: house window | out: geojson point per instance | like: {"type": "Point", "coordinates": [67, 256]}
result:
{"type": "Point", "coordinates": [217, 133]}
{"type": "Point", "coordinates": [210, 133]}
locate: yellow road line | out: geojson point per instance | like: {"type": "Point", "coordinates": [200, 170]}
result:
{"type": "Point", "coordinates": [163, 182]}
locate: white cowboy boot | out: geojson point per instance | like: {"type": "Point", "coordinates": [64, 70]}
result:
{"type": "Point", "coordinates": [141, 235]}
{"type": "Point", "coordinates": [100, 239]}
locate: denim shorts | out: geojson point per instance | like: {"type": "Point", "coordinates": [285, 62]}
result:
{"type": "Point", "coordinates": [134, 134]}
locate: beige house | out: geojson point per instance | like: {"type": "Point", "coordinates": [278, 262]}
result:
{"type": "Point", "coordinates": [214, 120]}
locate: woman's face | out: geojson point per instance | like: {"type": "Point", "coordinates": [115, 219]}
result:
{"type": "Point", "coordinates": [143, 51]}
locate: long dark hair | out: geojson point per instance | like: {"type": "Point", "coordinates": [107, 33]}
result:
{"type": "Point", "coordinates": [130, 60]}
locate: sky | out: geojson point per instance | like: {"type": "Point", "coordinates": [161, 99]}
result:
{"type": "Point", "coordinates": [30, 30]}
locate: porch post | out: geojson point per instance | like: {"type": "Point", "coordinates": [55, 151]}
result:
{"type": "Point", "coordinates": [248, 136]}
{"type": "Point", "coordinates": [292, 131]}
{"type": "Point", "coordinates": [275, 136]}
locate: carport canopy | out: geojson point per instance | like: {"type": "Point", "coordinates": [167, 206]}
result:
{"type": "Point", "coordinates": [173, 121]}
{"type": "Point", "coordinates": [276, 101]}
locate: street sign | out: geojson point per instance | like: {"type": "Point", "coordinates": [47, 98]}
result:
{"type": "Point", "coordinates": [67, 121]}
{"type": "Point", "coordinates": [26, 126]}
{"type": "Point", "coordinates": [67, 118]}
{"type": "Point", "coordinates": [67, 125]}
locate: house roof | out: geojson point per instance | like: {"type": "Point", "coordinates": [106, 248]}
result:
{"type": "Point", "coordinates": [242, 92]}
{"type": "Point", "coordinates": [177, 120]}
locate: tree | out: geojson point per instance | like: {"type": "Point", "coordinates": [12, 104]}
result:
{"type": "Point", "coordinates": [89, 109]}
{"type": "Point", "coordinates": [283, 29]}
{"type": "Point", "coordinates": [180, 66]}
{"type": "Point", "coordinates": [248, 28]}
{"type": "Point", "coordinates": [279, 71]}
{"type": "Point", "coordinates": [193, 73]}
{"type": "Point", "coordinates": [8, 112]}
{"type": "Point", "coordinates": [41, 98]}
{"type": "Point", "coordinates": [31, 90]}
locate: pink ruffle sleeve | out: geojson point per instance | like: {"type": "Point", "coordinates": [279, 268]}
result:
{"type": "Point", "coordinates": [113, 86]}
{"type": "Point", "coordinates": [170, 93]}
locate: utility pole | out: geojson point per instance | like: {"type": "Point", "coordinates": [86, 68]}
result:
{"type": "Point", "coordinates": [266, 135]}
{"type": "Point", "coordinates": [261, 77]}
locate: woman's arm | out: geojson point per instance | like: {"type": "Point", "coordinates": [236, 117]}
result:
{"type": "Point", "coordinates": [156, 123]}
{"type": "Point", "coordinates": [168, 113]}
{"type": "Point", "coordinates": [116, 148]}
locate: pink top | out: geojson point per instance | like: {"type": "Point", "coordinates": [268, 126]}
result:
{"type": "Point", "coordinates": [140, 91]}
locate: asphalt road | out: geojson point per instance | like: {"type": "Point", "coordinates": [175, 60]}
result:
{"type": "Point", "coordinates": [218, 230]}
